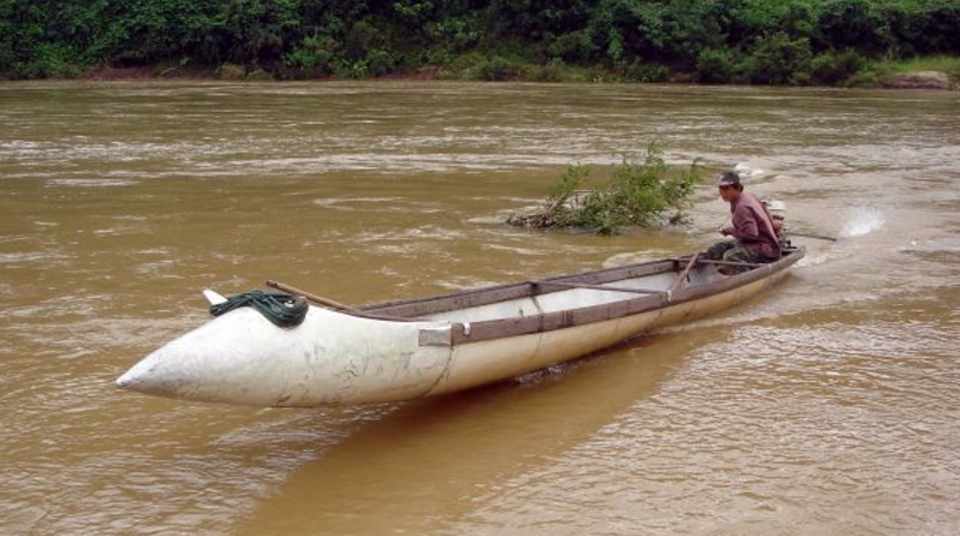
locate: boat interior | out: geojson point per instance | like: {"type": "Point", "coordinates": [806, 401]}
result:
{"type": "Point", "coordinates": [653, 283]}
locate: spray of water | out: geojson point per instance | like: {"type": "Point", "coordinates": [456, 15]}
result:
{"type": "Point", "coordinates": [861, 221]}
{"type": "Point", "coordinates": [747, 172]}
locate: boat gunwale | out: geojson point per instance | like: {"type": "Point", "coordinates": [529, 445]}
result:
{"type": "Point", "coordinates": [500, 328]}
{"type": "Point", "coordinates": [469, 332]}
{"type": "Point", "coordinates": [525, 289]}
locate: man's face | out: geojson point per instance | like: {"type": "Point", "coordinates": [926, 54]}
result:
{"type": "Point", "coordinates": [728, 193]}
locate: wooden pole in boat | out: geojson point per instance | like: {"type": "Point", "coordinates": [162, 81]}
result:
{"type": "Point", "coordinates": [682, 278]}
{"type": "Point", "coordinates": [816, 236]}
{"type": "Point", "coordinates": [312, 297]}
{"type": "Point", "coordinates": [327, 302]}
{"type": "Point", "coordinates": [548, 284]}
{"type": "Point", "coordinates": [732, 263]}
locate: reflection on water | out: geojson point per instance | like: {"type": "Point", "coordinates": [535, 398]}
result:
{"type": "Point", "coordinates": [823, 407]}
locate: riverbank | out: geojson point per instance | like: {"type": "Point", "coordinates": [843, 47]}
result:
{"type": "Point", "coordinates": [934, 72]}
{"type": "Point", "coordinates": [757, 42]}
{"type": "Point", "coordinates": [930, 72]}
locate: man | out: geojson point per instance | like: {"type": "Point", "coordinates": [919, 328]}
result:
{"type": "Point", "coordinates": [754, 233]}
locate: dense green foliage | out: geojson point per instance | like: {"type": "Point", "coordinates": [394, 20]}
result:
{"type": "Point", "coordinates": [759, 41]}
{"type": "Point", "coordinates": [637, 194]}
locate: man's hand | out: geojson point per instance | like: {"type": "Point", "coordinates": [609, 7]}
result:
{"type": "Point", "coordinates": [726, 231]}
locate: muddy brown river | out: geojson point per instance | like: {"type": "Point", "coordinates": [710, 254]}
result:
{"type": "Point", "coordinates": [830, 405]}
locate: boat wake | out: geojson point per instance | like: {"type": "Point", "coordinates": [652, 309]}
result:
{"type": "Point", "coordinates": [814, 259]}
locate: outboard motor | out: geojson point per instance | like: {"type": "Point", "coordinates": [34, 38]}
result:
{"type": "Point", "coordinates": [777, 210]}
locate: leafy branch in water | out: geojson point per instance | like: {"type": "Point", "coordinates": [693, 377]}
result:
{"type": "Point", "coordinates": [639, 194]}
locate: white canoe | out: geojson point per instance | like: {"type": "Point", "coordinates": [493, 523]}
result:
{"type": "Point", "coordinates": [417, 348]}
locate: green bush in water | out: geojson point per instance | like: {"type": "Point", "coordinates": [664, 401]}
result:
{"type": "Point", "coordinates": [637, 194]}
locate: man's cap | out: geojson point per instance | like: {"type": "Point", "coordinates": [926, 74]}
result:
{"type": "Point", "coordinates": [729, 178]}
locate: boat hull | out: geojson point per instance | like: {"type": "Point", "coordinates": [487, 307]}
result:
{"type": "Point", "coordinates": [331, 358]}
{"type": "Point", "coordinates": [448, 343]}
{"type": "Point", "coordinates": [483, 362]}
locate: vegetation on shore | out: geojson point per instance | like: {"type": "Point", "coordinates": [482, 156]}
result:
{"type": "Point", "coordinates": [783, 42]}
{"type": "Point", "coordinates": [641, 194]}
{"type": "Point", "coordinates": [945, 64]}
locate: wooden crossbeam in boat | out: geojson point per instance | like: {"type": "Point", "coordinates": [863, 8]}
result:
{"type": "Point", "coordinates": [724, 263]}
{"type": "Point", "coordinates": [542, 284]}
